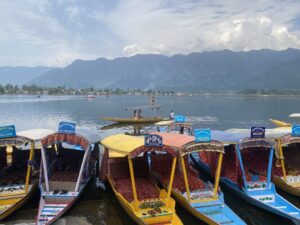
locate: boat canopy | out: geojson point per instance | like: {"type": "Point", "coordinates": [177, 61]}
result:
{"type": "Point", "coordinates": [241, 137]}
{"type": "Point", "coordinates": [72, 139]}
{"type": "Point", "coordinates": [289, 139]}
{"type": "Point", "coordinates": [121, 145]}
{"type": "Point", "coordinates": [256, 143]}
{"type": "Point", "coordinates": [17, 140]}
{"type": "Point", "coordinates": [35, 134]}
{"type": "Point", "coordinates": [186, 144]}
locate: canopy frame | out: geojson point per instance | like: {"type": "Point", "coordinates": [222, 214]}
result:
{"type": "Point", "coordinates": [191, 147]}
{"type": "Point", "coordinates": [17, 141]}
{"type": "Point", "coordinates": [72, 139]}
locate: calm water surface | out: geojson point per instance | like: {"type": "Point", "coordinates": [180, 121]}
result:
{"type": "Point", "coordinates": [100, 207]}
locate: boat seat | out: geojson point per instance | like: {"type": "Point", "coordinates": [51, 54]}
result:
{"type": "Point", "coordinates": [66, 175]}
{"type": "Point", "coordinates": [162, 164]}
{"type": "Point", "coordinates": [145, 189]}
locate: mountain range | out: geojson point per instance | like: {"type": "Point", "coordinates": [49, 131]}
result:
{"type": "Point", "coordinates": [21, 74]}
{"type": "Point", "coordinates": [216, 70]}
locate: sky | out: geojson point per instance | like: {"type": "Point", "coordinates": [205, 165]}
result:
{"type": "Point", "coordinates": [57, 32]}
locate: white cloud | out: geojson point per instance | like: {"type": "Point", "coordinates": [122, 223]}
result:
{"type": "Point", "coordinates": [185, 27]}
{"type": "Point", "coordinates": [56, 32]}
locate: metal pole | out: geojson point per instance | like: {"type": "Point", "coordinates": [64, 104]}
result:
{"type": "Point", "coordinates": [45, 168]}
{"type": "Point", "coordinates": [217, 179]}
{"type": "Point", "coordinates": [185, 178]}
{"type": "Point", "coordinates": [133, 184]}
{"type": "Point", "coordinates": [270, 164]}
{"type": "Point", "coordinates": [171, 181]}
{"type": "Point", "coordinates": [31, 155]}
{"type": "Point", "coordinates": [238, 152]}
{"type": "Point", "coordinates": [81, 169]}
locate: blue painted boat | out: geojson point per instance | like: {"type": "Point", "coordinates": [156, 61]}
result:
{"type": "Point", "coordinates": [203, 200]}
{"type": "Point", "coordinates": [243, 180]}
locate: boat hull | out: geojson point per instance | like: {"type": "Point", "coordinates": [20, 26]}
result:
{"type": "Point", "coordinates": [276, 207]}
{"type": "Point", "coordinates": [285, 187]}
{"type": "Point", "coordinates": [128, 209]}
{"type": "Point", "coordinates": [133, 120]}
{"type": "Point", "coordinates": [57, 209]}
{"type": "Point", "coordinates": [22, 201]}
{"type": "Point", "coordinates": [279, 123]}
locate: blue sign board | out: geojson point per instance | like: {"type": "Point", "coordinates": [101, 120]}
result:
{"type": "Point", "coordinates": [202, 135]}
{"type": "Point", "coordinates": [67, 127]}
{"type": "Point", "coordinates": [179, 119]}
{"type": "Point", "coordinates": [8, 131]}
{"type": "Point", "coordinates": [153, 140]}
{"type": "Point", "coordinates": [257, 132]}
{"type": "Point", "coordinates": [296, 130]}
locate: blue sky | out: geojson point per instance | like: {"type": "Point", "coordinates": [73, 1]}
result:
{"type": "Point", "coordinates": [56, 32]}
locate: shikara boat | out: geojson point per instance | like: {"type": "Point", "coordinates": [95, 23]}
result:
{"type": "Point", "coordinates": [66, 167]}
{"type": "Point", "coordinates": [134, 120]}
{"type": "Point", "coordinates": [137, 117]}
{"type": "Point", "coordinates": [286, 166]}
{"type": "Point", "coordinates": [174, 127]}
{"type": "Point", "coordinates": [242, 162]}
{"type": "Point", "coordinates": [126, 165]}
{"type": "Point", "coordinates": [203, 200]}
{"type": "Point", "coordinates": [279, 123]}
{"type": "Point", "coordinates": [18, 162]}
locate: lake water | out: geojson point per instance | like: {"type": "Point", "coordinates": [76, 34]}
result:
{"type": "Point", "coordinates": [100, 207]}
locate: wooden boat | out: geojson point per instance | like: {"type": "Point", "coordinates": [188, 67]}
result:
{"type": "Point", "coordinates": [242, 160]}
{"type": "Point", "coordinates": [17, 180]}
{"type": "Point", "coordinates": [67, 166]}
{"type": "Point", "coordinates": [286, 170]}
{"type": "Point", "coordinates": [126, 167]}
{"type": "Point", "coordinates": [202, 199]}
{"type": "Point", "coordinates": [174, 127]}
{"type": "Point", "coordinates": [137, 117]}
{"type": "Point", "coordinates": [279, 123]}
{"type": "Point", "coordinates": [134, 120]}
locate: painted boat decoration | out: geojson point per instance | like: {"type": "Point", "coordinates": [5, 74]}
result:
{"type": "Point", "coordinates": [18, 165]}
{"type": "Point", "coordinates": [240, 172]}
{"type": "Point", "coordinates": [66, 168]}
{"type": "Point", "coordinates": [125, 165]}
{"type": "Point", "coordinates": [203, 200]}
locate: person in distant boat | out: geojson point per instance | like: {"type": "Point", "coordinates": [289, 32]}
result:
{"type": "Point", "coordinates": [139, 114]}
{"type": "Point", "coordinates": [171, 115]}
{"type": "Point", "coordinates": [135, 114]}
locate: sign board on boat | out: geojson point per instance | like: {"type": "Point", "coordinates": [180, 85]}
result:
{"type": "Point", "coordinates": [67, 127]}
{"type": "Point", "coordinates": [179, 119]}
{"type": "Point", "coordinates": [296, 130]}
{"type": "Point", "coordinates": [257, 132]}
{"type": "Point", "coordinates": [153, 140]}
{"type": "Point", "coordinates": [8, 131]}
{"type": "Point", "coordinates": [202, 135]}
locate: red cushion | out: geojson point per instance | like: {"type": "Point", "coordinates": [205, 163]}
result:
{"type": "Point", "coordinates": [145, 189]}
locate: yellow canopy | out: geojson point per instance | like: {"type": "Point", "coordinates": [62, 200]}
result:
{"type": "Point", "coordinates": [121, 144]}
